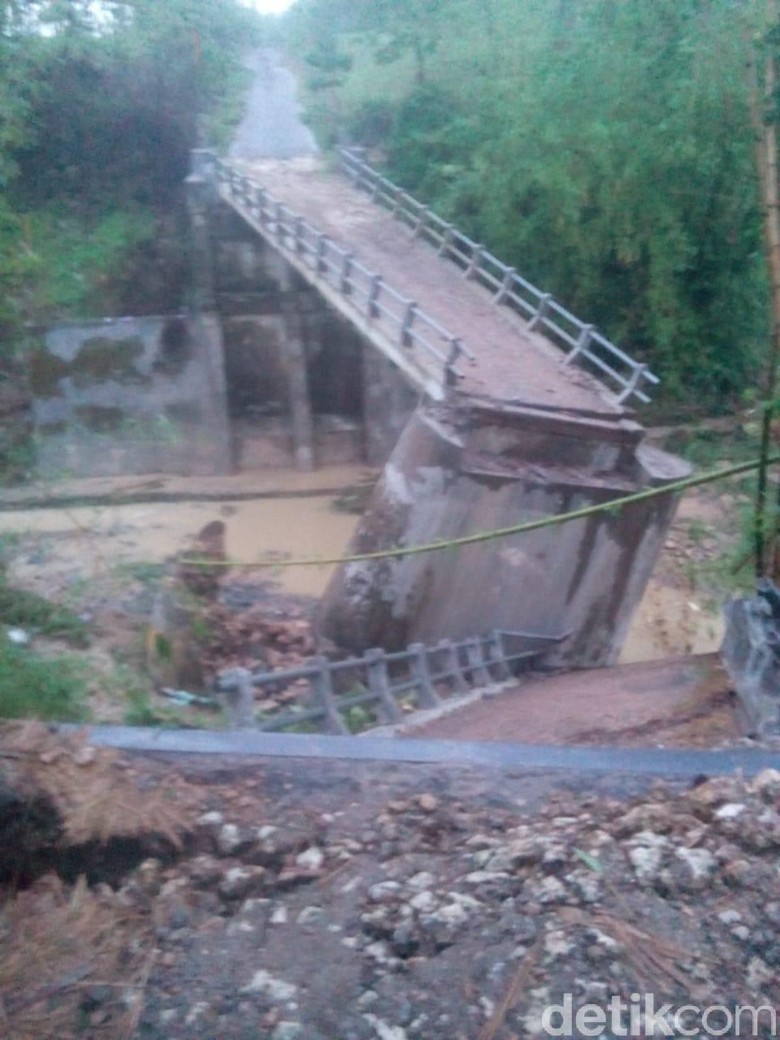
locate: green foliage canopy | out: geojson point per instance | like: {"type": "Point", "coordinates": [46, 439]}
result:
{"type": "Point", "coordinates": [603, 148]}
{"type": "Point", "coordinates": [99, 107]}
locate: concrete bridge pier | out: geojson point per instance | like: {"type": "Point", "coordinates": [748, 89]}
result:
{"type": "Point", "coordinates": [464, 467]}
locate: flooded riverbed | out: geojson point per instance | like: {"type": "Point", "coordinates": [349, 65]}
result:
{"type": "Point", "coordinates": [296, 515]}
{"type": "Point", "coordinates": [87, 541]}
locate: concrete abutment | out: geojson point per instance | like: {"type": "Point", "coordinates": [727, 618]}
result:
{"type": "Point", "coordinates": [462, 468]}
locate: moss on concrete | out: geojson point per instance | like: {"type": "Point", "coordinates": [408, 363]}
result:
{"type": "Point", "coordinates": [45, 372]}
{"type": "Point", "coordinates": [102, 359]}
{"type": "Point", "coordinates": [99, 419]}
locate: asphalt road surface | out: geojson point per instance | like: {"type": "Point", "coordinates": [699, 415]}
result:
{"type": "Point", "coordinates": [271, 127]}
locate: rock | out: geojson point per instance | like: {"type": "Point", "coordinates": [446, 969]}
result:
{"type": "Point", "coordinates": [428, 802]}
{"type": "Point", "coordinates": [701, 863]}
{"type": "Point", "coordinates": [421, 880]}
{"type": "Point", "coordinates": [309, 914]}
{"type": "Point", "coordinates": [385, 1031]}
{"type": "Point", "coordinates": [586, 884]}
{"type": "Point", "coordinates": [205, 871]}
{"type": "Point", "coordinates": [424, 902]}
{"type": "Point", "coordinates": [384, 891]}
{"type": "Point", "coordinates": [737, 872]}
{"type": "Point", "coordinates": [767, 785]}
{"type": "Point", "coordinates": [557, 944]}
{"type": "Point", "coordinates": [232, 839]}
{"type": "Point", "coordinates": [211, 820]}
{"type": "Point", "coordinates": [310, 859]}
{"type": "Point", "coordinates": [240, 882]}
{"type": "Point", "coordinates": [485, 877]}
{"type": "Point", "coordinates": [712, 793]}
{"type": "Point", "coordinates": [380, 952]}
{"type": "Point", "coordinates": [287, 1031]}
{"type": "Point", "coordinates": [279, 916]}
{"type": "Point", "coordinates": [759, 975]}
{"type": "Point", "coordinates": [291, 877]}
{"type": "Point", "coordinates": [651, 816]}
{"type": "Point", "coordinates": [646, 855]}
{"type": "Point", "coordinates": [196, 1012]}
{"type": "Point", "coordinates": [730, 811]}
{"type": "Point", "coordinates": [522, 851]}
{"type": "Point", "coordinates": [548, 890]}
{"type": "Point", "coordinates": [276, 990]}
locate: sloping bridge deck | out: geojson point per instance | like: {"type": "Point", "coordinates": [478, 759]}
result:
{"type": "Point", "coordinates": [511, 364]}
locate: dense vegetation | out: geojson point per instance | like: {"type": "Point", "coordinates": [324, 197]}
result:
{"type": "Point", "coordinates": [602, 147]}
{"type": "Point", "coordinates": [99, 106]}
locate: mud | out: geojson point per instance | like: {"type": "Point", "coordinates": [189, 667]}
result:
{"type": "Point", "coordinates": [83, 542]}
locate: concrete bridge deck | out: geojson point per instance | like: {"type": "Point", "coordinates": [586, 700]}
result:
{"type": "Point", "coordinates": [512, 364]}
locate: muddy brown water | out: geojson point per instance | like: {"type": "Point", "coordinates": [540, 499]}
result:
{"type": "Point", "coordinates": [94, 538]}
{"type": "Point", "coordinates": [303, 519]}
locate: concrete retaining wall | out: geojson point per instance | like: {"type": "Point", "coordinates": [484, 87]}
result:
{"type": "Point", "coordinates": [131, 395]}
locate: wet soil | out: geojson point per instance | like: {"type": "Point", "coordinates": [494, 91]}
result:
{"type": "Point", "coordinates": [678, 702]}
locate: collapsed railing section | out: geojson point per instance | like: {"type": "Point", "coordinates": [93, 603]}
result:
{"type": "Point", "coordinates": [403, 322]}
{"type": "Point", "coordinates": [582, 343]}
{"type": "Point", "coordinates": [378, 688]}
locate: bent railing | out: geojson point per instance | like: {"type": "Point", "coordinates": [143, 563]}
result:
{"type": "Point", "coordinates": [582, 342]}
{"type": "Point", "coordinates": [379, 688]}
{"type": "Point", "coordinates": [401, 320]}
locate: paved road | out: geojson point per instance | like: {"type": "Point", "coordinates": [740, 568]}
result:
{"type": "Point", "coordinates": [513, 362]}
{"type": "Point", "coordinates": [272, 127]}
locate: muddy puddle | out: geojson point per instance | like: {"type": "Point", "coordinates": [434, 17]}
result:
{"type": "Point", "coordinates": [90, 540]}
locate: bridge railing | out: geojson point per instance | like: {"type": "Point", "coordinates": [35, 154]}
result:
{"type": "Point", "coordinates": [380, 688]}
{"type": "Point", "coordinates": [405, 324]}
{"type": "Point", "coordinates": [581, 342]}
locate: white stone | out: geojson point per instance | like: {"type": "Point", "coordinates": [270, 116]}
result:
{"type": "Point", "coordinates": [421, 880]}
{"type": "Point", "coordinates": [730, 811]}
{"type": "Point", "coordinates": [382, 890]}
{"type": "Point", "coordinates": [469, 902]}
{"type": "Point", "coordinates": [550, 890]}
{"type": "Point", "coordinates": [309, 914]}
{"type": "Point", "coordinates": [211, 819]}
{"type": "Point", "coordinates": [557, 945]}
{"type": "Point", "coordinates": [195, 1012]}
{"type": "Point", "coordinates": [424, 902]}
{"type": "Point", "coordinates": [229, 839]}
{"type": "Point", "coordinates": [482, 877]}
{"type": "Point", "coordinates": [452, 915]}
{"type": "Point", "coordinates": [279, 916]}
{"type": "Point", "coordinates": [274, 989]}
{"type": "Point", "coordinates": [730, 917]}
{"type": "Point", "coordinates": [311, 859]}
{"type": "Point", "coordinates": [700, 862]}
{"type": "Point", "coordinates": [385, 1031]}
{"type": "Point", "coordinates": [287, 1031]}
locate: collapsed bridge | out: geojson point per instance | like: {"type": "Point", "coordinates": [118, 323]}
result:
{"type": "Point", "coordinates": [507, 419]}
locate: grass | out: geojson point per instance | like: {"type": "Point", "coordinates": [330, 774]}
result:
{"type": "Point", "coordinates": [708, 448]}
{"type": "Point", "coordinates": [30, 611]}
{"type": "Point", "coordinates": [146, 572]}
{"type": "Point", "coordinates": [33, 687]}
